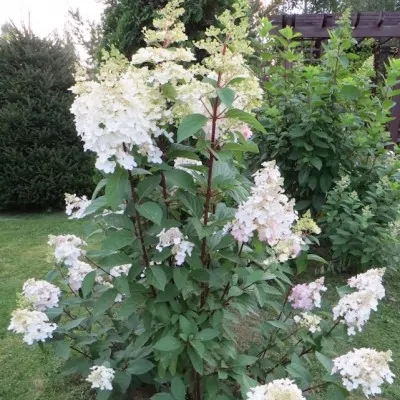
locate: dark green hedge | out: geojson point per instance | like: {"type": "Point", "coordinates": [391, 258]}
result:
{"type": "Point", "coordinates": [41, 156]}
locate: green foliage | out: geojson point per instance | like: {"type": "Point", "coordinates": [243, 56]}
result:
{"type": "Point", "coordinates": [326, 120]}
{"type": "Point", "coordinates": [124, 20]}
{"type": "Point", "coordinates": [41, 156]}
{"type": "Point", "coordinates": [360, 222]}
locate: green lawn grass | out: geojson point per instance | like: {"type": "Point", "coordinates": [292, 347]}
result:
{"type": "Point", "coordinates": [27, 373]}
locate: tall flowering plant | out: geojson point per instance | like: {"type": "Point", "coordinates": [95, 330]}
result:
{"type": "Point", "coordinates": [187, 244]}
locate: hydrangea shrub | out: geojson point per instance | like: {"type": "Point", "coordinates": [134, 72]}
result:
{"type": "Point", "coordinates": [186, 246]}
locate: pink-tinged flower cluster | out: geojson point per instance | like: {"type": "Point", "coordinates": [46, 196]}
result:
{"type": "Point", "coordinates": [307, 296]}
{"type": "Point", "coordinates": [246, 131]}
{"type": "Point", "coordinates": [354, 309]}
{"type": "Point", "coordinates": [270, 213]}
{"type": "Point", "coordinates": [364, 368]}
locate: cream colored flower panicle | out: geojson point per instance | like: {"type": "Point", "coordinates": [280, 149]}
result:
{"type": "Point", "coordinates": [279, 389]}
{"type": "Point", "coordinates": [180, 247]}
{"type": "Point", "coordinates": [101, 377]}
{"type": "Point", "coordinates": [364, 368]}
{"type": "Point", "coordinates": [269, 212]}
{"type": "Point", "coordinates": [168, 28]}
{"type": "Point", "coordinates": [77, 273]}
{"type": "Point", "coordinates": [309, 321]}
{"type": "Point", "coordinates": [75, 206]}
{"type": "Point", "coordinates": [41, 294]}
{"type": "Point", "coordinates": [67, 248]}
{"type": "Point", "coordinates": [34, 325]}
{"type": "Point", "coordinates": [371, 281]}
{"type": "Point", "coordinates": [354, 309]}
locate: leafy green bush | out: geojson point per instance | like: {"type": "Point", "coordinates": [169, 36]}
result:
{"type": "Point", "coordinates": [322, 119]}
{"type": "Point", "coordinates": [188, 249]}
{"type": "Point", "coordinates": [41, 156]}
{"type": "Point", "coordinates": [359, 223]}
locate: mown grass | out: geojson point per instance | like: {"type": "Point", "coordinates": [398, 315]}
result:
{"type": "Point", "coordinates": [27, 373]}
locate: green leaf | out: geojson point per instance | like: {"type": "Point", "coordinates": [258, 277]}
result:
{"type": "Point", "coordinates": [180, 179]}
{"type": "Point", "coordinates": [350, 92]}
{"type": "Point", "coordinates": [325, 182]}
{"type": "Point", "coordinates": [88, 283]}
{"type": "Point", "coordinates": [122, 285]}
{"type": "Point", "coordinates": [96, 204]}
{"type": "Point", "coordinates": [139, 367]}
{"type": "Point", "coordinates": [62, 349]}
{"type": "Point", "coordinates": [180, 277]}
{"type": "Point", "coordinates": [245, 117]}
{"type": "Point", "coordinates": [226, 95]}
{"type": "Point", "coordinates": [325, 361]}
{"type": "Point", "coordinates": [117, 188]}
{"type": "Point", "coordinates": [249, 147]}
{"type": "Point", "coordinates": [73, 324]}
{"type": "Point", "coordinates": [100, 185]}
{"type": "Point", "coordinates": [156, 277]}
{"type": "Point", "coordinates": [196, 360]}
{"type": "Point", "coordinates": [122, 380]}
{"type": "Point", "coordinates": [103, 394]}
{"type": "Point", "coordinates": [279, 325]}
{"type": "Point", "coordinates": [53, 312]}
{"type": "Point", "coordinates": [105, 301]}
{"type": "Point", "coordinates": [178, 388]}
{"type": "Point", "coordinates": [151, 211]}
{"type": "Point", "coordinates": [116, 240]}
{"type": "Point", "coordinates": [163, 396]}
{"type": "Point", "coordinates": [207, 334]}
{"type": "Point", "coordinates": [167, 343]}
{"type": "Point", "coordinates": [336, 393]}
{"type": "Point", "coordinates": [317, 258]}
{"type": "Point", "coordinates": [190, 126]}
{"type": "Point", "coordinates": [316, 162]}
{"type": "Point", "coordinates": [243, 360]}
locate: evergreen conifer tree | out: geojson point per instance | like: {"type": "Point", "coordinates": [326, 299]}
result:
{"type": "Point", "coordinates": [41, 156]}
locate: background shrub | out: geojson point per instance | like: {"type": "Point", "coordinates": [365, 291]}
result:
{"type": "Point", "coordinates": [328, 119]}
{"type": "Point", "coordinates": [123, 20]}
{"type": "Point", "coordinates": [41, 155]}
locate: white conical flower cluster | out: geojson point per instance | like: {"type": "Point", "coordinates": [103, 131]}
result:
{"type": "Point", "coordinates": [77, 273]}
{"type": "Point", "coordinates": [181, 247]}
{"type": "Point", "coordinates": [67, 248]}
{"type": "Point", "coordinates": [364, 368]}
{"type": "Point", "coordinates": [371, 281]}
{"type": "Point", "coordinates": [101, 377]}
{"type": "Point", "coordinates": [309, 321]}
{"type": "Point", "coordinates": [41, 294]}
{"type": "Point", "coordinates": [75, 206]}
{"type": "Point", "coordinates": [355, 308]}
{"type": "Point", "coordinates": [269, 212]}
{"type": "Point", "coordinates": [279, 389]}
{"type": "Point", "coordinates": [34, 325]}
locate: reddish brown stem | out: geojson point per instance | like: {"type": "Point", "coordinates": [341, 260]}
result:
{"type": "Point", "coordinates": [138, 223]}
